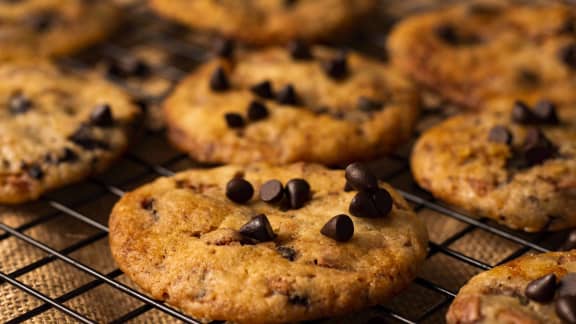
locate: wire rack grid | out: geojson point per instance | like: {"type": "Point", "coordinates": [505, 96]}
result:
{"type": "Point", "coordinates": [45, 247]}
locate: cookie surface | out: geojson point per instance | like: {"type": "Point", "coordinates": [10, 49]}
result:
{"type": "Point", "coordinates": [498, 295]}
{"type": "Point", "coordinates": [364, 113]}
{"type": "Point", "coordinates": [178, 239]}
{"type": "Point", "coordinates": [33, 28]}
{"type": "Point", "coordinates": [269, 21]}
{"type": "Point", "coordinates": [472, 53]}
{"type": "Point", "coordinates": [57, 128]}
{"type": "Point", "coordinates": [525, 185]}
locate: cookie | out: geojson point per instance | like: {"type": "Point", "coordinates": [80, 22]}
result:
{"type": "Point", "coordinates": [57, 128]}
{"type": "Point", "coordinates": [265, 244]}
{"type": "Point", "coordinates": [531, 289]}
{"type": "Point", "coordinates": [278, 106]}
{"type": "Point", "coordinates": [33, 28]}
{"type": "Point", "coordinates": [474, 52]}
{"type": "Point", "coordinates": [267, 22]}
{"type": "Point", "coordinates": [515, 163]}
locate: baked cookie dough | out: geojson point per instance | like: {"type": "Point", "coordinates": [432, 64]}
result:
{"type": "Point", "coordinates": [474, 52]}
{"type": "Point", "coordinates": [280, 106]}
{"type": "Point", "coordinates": [268, 22]}
{"type": "Point", "coordinates": [57, 128]}
{"type": "Point", "coordinates": [532, 289]}
{"type": "Point", "coordinates": [263, 244]}
{"type": "Point", "coordinates": [33, 28]}
{"type": "Point", "coordinates": [515, 163]}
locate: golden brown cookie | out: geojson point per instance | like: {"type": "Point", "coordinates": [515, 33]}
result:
{"type": "Point", "coordinates": [269, 21]}
{"type": "Point", "coordinates": [515, 164]}
{"type": "Point", "coordinates": [323, 106]}
{"type": "Point", "coordinates": [32, 28]}
{"type": "Point", "coordinates": [533, 289]}
{"type": "Point", "coordinates": [471, 53]}
{"type": "Point", "coordinates": [57, 128]}
{"type": "Point", "coordinates": [183, 240]}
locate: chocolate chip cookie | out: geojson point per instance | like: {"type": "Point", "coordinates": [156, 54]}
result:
{"type": "Point", "coordinates": [532, 289]}
{"type": "Point", "coordinates": [301, 104]}
{"type": "Point", "coordinates": [57, 128]}
{"type": "Point", "coordinates": [32, 28]}
{"type": "Point", "coordinates": [269, 21]}
{"type": "Point", "coordinates": [515, 163]}
{"type": "Point", "coordinates": [471, 53]}
{"type": "Point", "coordinates": [263, 244]}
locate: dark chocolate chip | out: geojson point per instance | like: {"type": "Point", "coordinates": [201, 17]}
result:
{"type": "Point", "coordinates": [34, 171]}
{"type": "Point", "coordinates": [450, 35]}
{"type": "Point", "coordinates": [500, 134]}
{"type": "Point", "coordinates": [567, 285]}
{"type": "Point", "coordinates": [259, 229]}
{"type": "Point", "coordinates": [287, 253]}
{"type": "Point", "coordinates": [263, 89]}
{"type": "Point", "coordinates": [537, 148]}
{"type": "Point", "coordinates": [147, 204]}
{"type": "Point", "coordinates": [542, 289]}
{"type": "Point", "coordinates": [362, 205]}
{"type": "Point", "coordinates": [546, 112]}
{"type": "Point", "coordinates": [257, 111]}
{"type": "Point", "coordinates": [287, 96]}
{"type": "Point", "coordinates": [234, 120]}
{"type": "Point", "coordinates": [566, 308]}
{"type": "Point", "coordinates": [101, 116]}
{"type": "Point", "coordinates": [225, 48]}
{"type": "Point", "coordinates": [239, 190]}
{"type": "Point", "coordinates": [42, 21]}
{"type": "Point", "coordinates": [126, 67]}
{"type": "Point", "coordinates": [337, 68]}
{"type": "Point", "coordinates": [68, 156]}
{"type": "Point", "coordinates": [383, 201]}
{"type": "Point", "coordinates": [360, 177]}
{"type": "Point", "coordinates": [567, 55]}
{"type": "Point", "coordinates": [272, 191]}
{"type": "Point", "coordinates": [298, 191]}
{"type": "Point", "coordinates": [83, 138]}
{"type": "Point", "coordinates": [219, 80]}
{"type": "Point", "coordinates": [570, 242]}
{"type": "Point", "coordinates": [339, 228]}
{"type": "Point", "coordinates": [299, 50]}
{"type": "Point", "coordinates": [289, 3]}
{"type": "Point", "coordinates": [522, 114]}
{"type": "Point", "coordinates": [19, 104]}
{"type": "Point", "coordinates": [298, 300]}
{"type": "Point", "coordinates": [348, 187]}
{"type": "Point", "coordinates": [369, 105]}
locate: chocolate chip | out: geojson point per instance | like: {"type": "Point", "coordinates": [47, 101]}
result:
{"type": "Point", "coordinates": [288, 96]}
{"type": "Point", "coordinates": [298, 300]}
{"type": "Point", "coordinates": [371, 204]}
{"type": "Point", "coordinates": [234, 120]}
{"type": "Point", "coordinates": [289, 3]}
{"type": "Point", "coordinates": [566, 308]}
{"type": "Point", "coordinates": [500, 134]}
{"type": "Point", "coordinates": [337, 68]}
{"type": "Point", "coordinates": [42, 21]}
{"type": "Point", "coordinates": [286, 252]}
{"type": "Point", "coordinates": [537, 148]}
{"type": "Point", "coordinates": [102, 116]}
{"type": "Point", "coordinates": [239, 190]}
{"type": "Point", "coordinates": [298, 191]}
{"type": "Point", "coordinates": [259, 229]}
{"type": "Point", "coordinates": [219, 80]}
{"type": "Point", "coordinates": [263, 89]}
{"type": "Point", "coordinates": [83, 138]}
{"type": "Point", "coordinates": [147, 204]}
{"type": "Point", "coordinates": [68, 156]}
{"type": "Point", "coordinates": [450, 35]}
{"type": "Point", "coordinates": [369, 105]}
{"type": "Point", "coordinates": [522, 114]}
{"type": "Point", "coordinates": [528, 78]}
{"type": "Point", "coordinates": [19, 104]}
{"type": "Point", "coordinates": [339, 228]}
{"type": "Point", "coordinates": [225, 48]}
{"type": "Point", "coordinates": [542, 289]}
{"type": "Point", "coordinates": [257, 111]}
{"type": "Point", "coordinates": [272, 191]}
{"type": "Point", "coordinates": [348, 187]}
{"type": "Point", "coordinates": [34, 171]}
{"type": "Point", "coordinates": [567, 285]}
{"type": "Point", "coordinates": [359, 177]}
{"type": "Point", "coordinates": [546, 113]}
{"type": "Point", "coordinates": [570, 242]}
{"type": "Point", "coordinates": [567, 55]}
{"type": "Point", "coordinates": [126, 67]}
{"type": "Point", "coordinates": [299, 50]}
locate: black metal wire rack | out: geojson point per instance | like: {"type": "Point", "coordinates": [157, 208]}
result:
{"type": "Point", "coordinates": [75, 219]}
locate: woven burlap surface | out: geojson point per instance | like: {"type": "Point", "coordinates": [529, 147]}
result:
{"type": "Point", "coordinates": [47, 223]}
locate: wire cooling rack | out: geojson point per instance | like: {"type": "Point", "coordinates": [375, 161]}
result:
{"type": "Point", "coordinates": [54, 261]}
